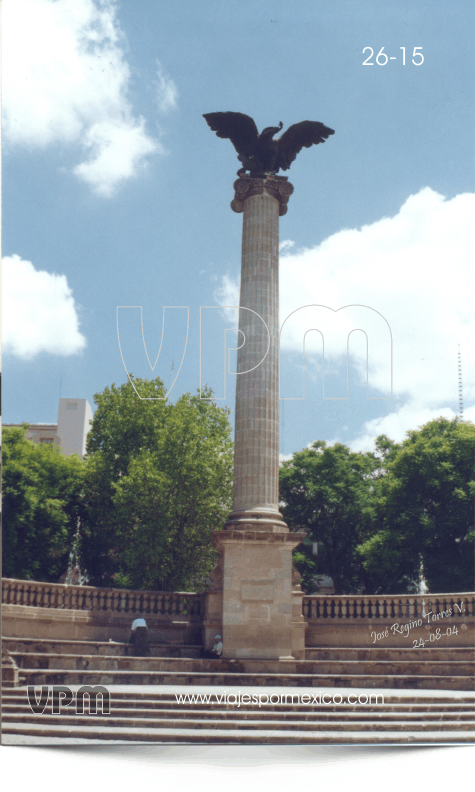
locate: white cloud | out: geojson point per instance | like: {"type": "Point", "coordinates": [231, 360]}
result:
{"type": "Point", "coordinates": [228, 295]}
{"type": "Point", "coordinates": [167, 92]}
{"type": "Point", "coordinates": [66, 80]}
{"type": "Point", "coordinates": [286, 245]}
{"type": "Point", "coordinates": [117, 150]}
{"type": "Point", "coordinates": [417, 270]}
{"type": "Point", "coordinates": [39, 313]}
{"type": "Point", "coordinates": [285, 458]}
{"type": "Point", "coordinates": [396, 424]}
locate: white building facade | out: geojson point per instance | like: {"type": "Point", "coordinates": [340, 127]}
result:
{"type": "Point", "coordinates": [70, 433]}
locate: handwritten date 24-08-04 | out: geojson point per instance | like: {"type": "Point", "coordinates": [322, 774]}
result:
{"type": "Point", "coordinates": [405, 629]}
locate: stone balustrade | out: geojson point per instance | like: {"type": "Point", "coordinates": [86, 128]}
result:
{"type": "Point", "coordinates": [400, 606]}
{"type": "Point", "coordinates": [165, 604]}
{"type": "Point", "coordinates": [176, 603]}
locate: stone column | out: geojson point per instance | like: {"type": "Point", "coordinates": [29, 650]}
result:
{"type": "Point", "coordinates": [256, 435]}
{"type": "Point", "coordinates": [251, 594]}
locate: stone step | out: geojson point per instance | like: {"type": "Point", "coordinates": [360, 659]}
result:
{"type": "Point", "coordinates": [235, 721]}
{"type": "Point", "coordinates": [76, 662]}
{"type": "Point", "coordinates": [234, 736]}
{"type": "Point", "coordinates": [288, 713]}
{"type": "Point", "coordinates": [209, 703]}
{"type": "Point", "coordinates": [342, 654]}
{"type": "Point", "coordinates": [61, 676]}
{"type": "Point", "coordinates": [464, 653]}
{"type": "Point", "coordinates": [17, 699]}
{"type": "Point", "coordinates": [101, 648]}
{"type": "Point", "coordinates": [113, 648]}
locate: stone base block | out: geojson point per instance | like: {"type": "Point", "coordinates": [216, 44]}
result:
{"type": "Point", "coordinates": [257, 593]}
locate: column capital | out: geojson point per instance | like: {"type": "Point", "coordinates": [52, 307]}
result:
{"type": "Point", "coordinates": [250, 184]}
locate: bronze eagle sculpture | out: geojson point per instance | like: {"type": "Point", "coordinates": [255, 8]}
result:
{"type": "Point", "coordinates": [260, 152]}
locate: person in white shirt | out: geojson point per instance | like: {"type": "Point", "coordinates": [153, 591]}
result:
{"type": "Point", "coordinates": [218, 646]}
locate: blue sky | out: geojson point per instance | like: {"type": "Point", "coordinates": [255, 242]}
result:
{"type": "Point", "coordinates": [116, 193]}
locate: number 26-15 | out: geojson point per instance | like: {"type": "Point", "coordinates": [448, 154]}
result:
{"type": "Point", "coordinates": [382, 59]}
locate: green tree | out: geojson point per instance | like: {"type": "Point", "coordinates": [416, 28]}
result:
{"type": "Point", "coordinates": [305, 562]}
{"type": "Point", "coordinates": [159, 481]}
{"type": "Point", "coordinates": [426, 512]}
{"type": "Point", "coordinates": [41, 507]}
{"type": "Point", "coordinates": [327, 492]}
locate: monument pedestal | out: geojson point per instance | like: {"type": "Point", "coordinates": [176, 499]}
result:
{"type": "Point", "coordinates": [254, 600]}
{"type": "Point", "coordinates": [257, 593]}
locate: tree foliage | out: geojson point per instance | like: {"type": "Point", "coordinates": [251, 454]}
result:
{"type": "Point", "coordinates": [159, 481]}
{"type": "Point", "coordinates": [41, 507]}
{"type": "Point", "coordinates": [380, 518]}
{"type": "Point", "coordinates": [426, 511]}
{"type": "Point", "coordinates": [326, 491]}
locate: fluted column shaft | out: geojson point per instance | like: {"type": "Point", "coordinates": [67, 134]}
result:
{"type": "Point", "coordinates": [256, 455]}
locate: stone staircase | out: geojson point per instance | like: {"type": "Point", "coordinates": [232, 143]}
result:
{"type": "Point", "coordinates": [54, 662]}
{"type": "Point", "coordinates": [158, 716]}
{"type": "Point", "coordinates": [144, 691]}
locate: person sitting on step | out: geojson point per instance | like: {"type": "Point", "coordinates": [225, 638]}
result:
{"type": "Point", "coordinates": [218, 646]}
{"type": "Point", "coordinates": [139, 637]}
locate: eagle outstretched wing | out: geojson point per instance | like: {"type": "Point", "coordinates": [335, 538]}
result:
{"type": "Point", "coordinates": [238, 127]}
{"type": "Point", "coordinates": [297, 137]}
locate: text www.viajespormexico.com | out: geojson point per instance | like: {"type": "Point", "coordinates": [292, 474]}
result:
{"type": "Point", "coordinates": [274, 699]}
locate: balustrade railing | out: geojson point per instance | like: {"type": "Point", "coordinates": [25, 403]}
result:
{"type": "Point", "coordinates": [171, 604]}
{"type": "Point", "coordinates": [417, 606]}
{"type": "Point", "coordinates": [89, 598]}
